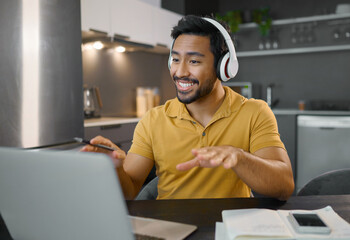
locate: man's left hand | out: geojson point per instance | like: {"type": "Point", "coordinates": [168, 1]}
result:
{"type": "Point", "coordinates": [210, 157]}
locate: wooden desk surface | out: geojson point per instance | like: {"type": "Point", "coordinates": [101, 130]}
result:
{"type": "Point", "coordinates": [205, 212]}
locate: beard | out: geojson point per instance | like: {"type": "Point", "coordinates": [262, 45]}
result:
{"type": "Point", "coordinates": [202, 91]}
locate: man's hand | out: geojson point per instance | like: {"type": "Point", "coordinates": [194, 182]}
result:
{"type": "Point", "coordinates": [117, 156]}
{"type": "Point", "coordinates": [210, 157]}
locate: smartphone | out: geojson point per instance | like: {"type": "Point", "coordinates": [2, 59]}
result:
{"type": "Point", "coordinates": [308, 223]}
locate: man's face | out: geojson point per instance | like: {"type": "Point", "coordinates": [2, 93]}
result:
{"type": "Point", "coordinates": [192, 67]}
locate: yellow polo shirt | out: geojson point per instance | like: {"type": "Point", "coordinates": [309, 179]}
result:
{"type": "Point", "coordinates": [167, 134]}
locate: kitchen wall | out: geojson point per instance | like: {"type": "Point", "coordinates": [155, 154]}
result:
{"type": "Point", "coordinates": [305, 76]}
{"type": "Point", "coordinates": [119, 74]}
{"type": "Point", "coordinates": [279, 8]}
{"type": "Point", "coordinates": [308, 76]}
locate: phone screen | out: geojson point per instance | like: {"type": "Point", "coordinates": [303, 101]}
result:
{"type": "Point", "coordinates": [311, 220]}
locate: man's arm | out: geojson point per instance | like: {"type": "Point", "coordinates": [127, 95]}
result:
{"type": "Point", "coordinates": [267, 171]}
{"type": "Point", "coordinates": [132, 169]}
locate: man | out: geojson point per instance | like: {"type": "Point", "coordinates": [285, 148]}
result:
{"type": "Point", "coordinates": [209, 142]}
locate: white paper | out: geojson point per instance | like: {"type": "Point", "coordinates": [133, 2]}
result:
{"type": "Point", "coordinates": [271, 224]}
{"type": "Point", "coordinates": [220, 231]}
{"type": "Point", "coordinates": [255, 222]}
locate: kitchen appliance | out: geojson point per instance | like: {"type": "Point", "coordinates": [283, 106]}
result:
{"type": "Point", "coordinates": [40, 73]}
{"type": "Point", "coordinates": [322, 145]}
{"type": "Point", "coordinates": [92, 99]}
{"type": "Point", "coordinates": [243, 88]}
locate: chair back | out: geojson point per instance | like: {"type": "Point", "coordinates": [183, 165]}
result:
{"type": "Point", "coordinates": [150, 191]}
{"type": "Point", "coordinates": [336, 182]}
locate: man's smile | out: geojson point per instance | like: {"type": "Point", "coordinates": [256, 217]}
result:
{"type": "Point", "coordinates": [185, 84]}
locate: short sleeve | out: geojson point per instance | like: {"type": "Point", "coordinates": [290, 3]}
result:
{"type": "Point", "coordinates": [142, 141]}
{"type": "Point", "coordinates": [264, 132]}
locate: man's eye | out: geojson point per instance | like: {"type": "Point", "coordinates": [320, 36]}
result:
{"type": "Point", "coordinates": [175, 59]}
{"type": "Point", "coordinates": [194, 61]}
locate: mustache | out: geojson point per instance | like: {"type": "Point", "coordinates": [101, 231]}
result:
{"type": "Point", "coordinates": [186, 79]}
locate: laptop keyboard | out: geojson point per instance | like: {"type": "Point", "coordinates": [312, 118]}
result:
{"type": "Point", "coordinates": [146, 237]}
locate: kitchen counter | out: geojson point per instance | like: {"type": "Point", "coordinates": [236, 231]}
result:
{"type": "Point", "coordinates": [309, 112]}
{"type": "Point", "coordinates": [104, 121]}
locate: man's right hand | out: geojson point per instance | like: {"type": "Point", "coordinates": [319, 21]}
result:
{"type": "Point", "coordinates": [117, 156]}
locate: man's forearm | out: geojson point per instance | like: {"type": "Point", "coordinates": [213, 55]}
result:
{"type": "Point", "coordinates": [266, 176]}
{"type": "Point", "coordinates": [129, 188]}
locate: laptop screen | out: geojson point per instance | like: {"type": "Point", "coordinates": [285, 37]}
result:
{"type": "Point", "coordinates": [61, 195]}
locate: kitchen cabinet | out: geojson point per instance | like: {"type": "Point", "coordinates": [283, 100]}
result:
{"type": "Point", "coordinates": [287, 130]}
{"type": "Point", "coordinates": [132, 20]}
{"type": "Point", "coordinates": [119, 133]}
{"type": "Point", "coordinates": [163, 23]}
{"type": "Point", "coordinates": [96, 15]}
{"type": "Point", "coordinates": [324, 24]}
{"type": "Point", "coordinates": [323, 145]}
{"type": "Point", "coordinates": [287, 120]}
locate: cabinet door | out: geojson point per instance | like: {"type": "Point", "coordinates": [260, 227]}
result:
{"type": "Point", "coordinates": [132, 18]}
{"type": "Point", "coordinates": [287, 129]}
{"type": "Point", "coordinates": [95, 15]}
{"type": "Point", "coordinates": [163, 23]}
{"type": "Point", "coordinates": [117, 133]}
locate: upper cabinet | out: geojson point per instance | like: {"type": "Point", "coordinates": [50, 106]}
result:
{"type": "Point", "coordinates": [163, 22]}
{"type": "Point", "coordinates": [131, 19]}
{"type": "Point", "coordinates": [95, 15]}
{"type": "Point", "coordinates": [293, 36]}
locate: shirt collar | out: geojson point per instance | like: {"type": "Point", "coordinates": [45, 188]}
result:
{"type": "Point", "coordinates": [232, 102]}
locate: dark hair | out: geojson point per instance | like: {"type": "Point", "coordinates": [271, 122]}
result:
{"type": "Point", "coordinates": [195, 25]}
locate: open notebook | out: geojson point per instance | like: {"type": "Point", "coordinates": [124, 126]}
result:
{"type": "Point", "coordinates": [69, 195]}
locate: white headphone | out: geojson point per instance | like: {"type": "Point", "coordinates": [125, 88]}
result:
{"type": "Point", "coordinates": [227, 66]}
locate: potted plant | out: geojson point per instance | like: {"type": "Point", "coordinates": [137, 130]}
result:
{"type": "Point", "coordinates": [262, 17]}
{"type": "Point", "coordinates": [233, 19]}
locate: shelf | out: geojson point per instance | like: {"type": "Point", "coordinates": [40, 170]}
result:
{"type": "Point", "coordinates": [300, 20]}
{"type": "Point", "coordinates": [293, 51]}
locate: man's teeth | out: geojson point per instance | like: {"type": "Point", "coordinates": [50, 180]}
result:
{"type": "Point", "coordinates": [185, 84]}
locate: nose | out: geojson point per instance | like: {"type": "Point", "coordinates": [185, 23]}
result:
{"type": "Point", "coordinates": [180, 69]}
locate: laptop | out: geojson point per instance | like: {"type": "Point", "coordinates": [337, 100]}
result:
{"type": "Point", "coordinates": [70, 195]}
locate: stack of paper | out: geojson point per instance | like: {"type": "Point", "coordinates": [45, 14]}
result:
{"type": "Point", "coordinates": [274, 224]}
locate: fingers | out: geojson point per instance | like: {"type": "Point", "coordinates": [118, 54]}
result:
{"type": "Point", "coordinates": [210, 157]}
{"type": "Point", "coordinates": [101, 141]}
{"type": "Point", "coordinates": [203, 158]}
{"type": "Point", "coordinates": [187, 165]}
{"type": "Point", "coordinates": [118, 156]}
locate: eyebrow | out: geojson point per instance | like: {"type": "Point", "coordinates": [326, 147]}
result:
{"type": "Point", "coordinates": [189, 53]}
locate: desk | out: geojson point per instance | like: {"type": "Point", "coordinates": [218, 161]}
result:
{"type": "Point", "coordinates": [205, 212]}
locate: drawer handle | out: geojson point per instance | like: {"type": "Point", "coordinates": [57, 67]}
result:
{"type": "Point", "coordinates": [110, 126]}
{"type": "Point", "coordinates": [327, 128]}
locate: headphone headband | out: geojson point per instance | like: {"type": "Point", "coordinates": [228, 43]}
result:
{"type": "Point", "coordinates": [227, 66]}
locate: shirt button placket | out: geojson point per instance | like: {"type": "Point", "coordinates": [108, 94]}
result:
{"type": "Point", "coordinates": [203, 139]}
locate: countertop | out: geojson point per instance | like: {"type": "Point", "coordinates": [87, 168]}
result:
{"type": "Point", "coordinates": [103, 121]}
{"type": "Point", "coordinates": [309, 112]}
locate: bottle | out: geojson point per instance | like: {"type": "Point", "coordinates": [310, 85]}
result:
{"type": "Point", "coordinates": [141, 103]}
{"type": "Point", "coordinates": [156, 96]}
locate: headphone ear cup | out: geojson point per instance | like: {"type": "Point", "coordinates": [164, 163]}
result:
{"type": "Point", "coordinates": [222, 69]}
{"type": "Point", "coordinates": [218, 69]}
{"type": "Point", "coordinates": [170, 59]}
